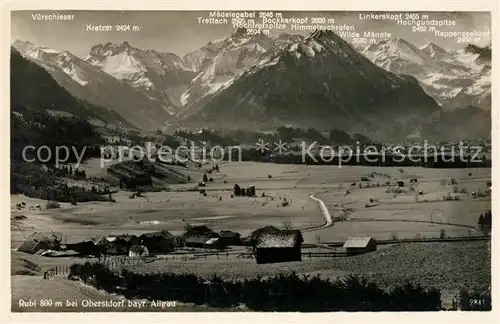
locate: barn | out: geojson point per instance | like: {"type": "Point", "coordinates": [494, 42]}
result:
{"type": "Point", "coordinates": [138, 251]}
{"type": "Point", "coordinates": [278, 246]}
{"type": "Point", "coordinates": [358, 245]}
{"type": "Point", "coordinates": [158, 242]}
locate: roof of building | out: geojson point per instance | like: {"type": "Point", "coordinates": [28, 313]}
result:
{"type": "Point", "coordinates": [229, 234]}
{"type": "Point", "coordinates": [279, 239]}
{"type": "Point", "coordinates": [201, 239]}
{"type": "Point", "coordinates": [212, 240]}
{"type": "Point", "coordinates": [265, 229]}
{"type": "Point", "coordinates": [99, 239]}
{"type": "Point", "coordinates": [200, 230]}
{"type": "Point", "coordinates": [117, 242]}
{"type": "Point", "coordinates": [159, 234]}
{"type": "Point", "coordinates": [48, 237]}
{"type": "Point", "coordinates": [32, 246]}
{"type": "Point", "coordinates": [138, 248]}
{"type": "Point", "coordinates": [127, 237]}
{"type": "Point", "coordinates": [357, 242]}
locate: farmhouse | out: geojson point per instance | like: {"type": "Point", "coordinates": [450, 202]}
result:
{"type": "Point", "coordinates": [358, 245]}
{"type": "Point", "coordinates": [215, 243]}
{"type": "Point", "coordinates": [41, 241]}
{"type": "Point", "coordinates": [116, 247]}
{"type": "Point", "coordinates": [230, 238]}
{"type": "Point", "coordinates": [195, 241]}
{"type": "Point", "coordinates": [138, 251]}
{"type": "Point", "coordinates": [205, 242]}
{"type": "Point", "coordinates": [200, 231]}
{"type": "Point", "coordinates": [278, 246]}
{"type": "Point", "coordinates": [33, 246]}
{"type": "Point", "coordinates": [158, 242]}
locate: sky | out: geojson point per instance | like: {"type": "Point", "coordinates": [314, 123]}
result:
{"type": "Point", "coordinates": [179, 31]}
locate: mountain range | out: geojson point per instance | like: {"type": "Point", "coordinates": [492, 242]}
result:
{"type": "Point", "coordinates": [455, 79]}
{"type": "Point", "coordinates": [388, 90]}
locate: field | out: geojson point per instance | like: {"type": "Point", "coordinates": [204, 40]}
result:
{"type": "Point", "coordinates": [174, 209]}
{"type": "Point", "coordinates": [418, 211]}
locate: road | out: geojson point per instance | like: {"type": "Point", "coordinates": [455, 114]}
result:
{"type": "Point", "coordinates": [326, 215]}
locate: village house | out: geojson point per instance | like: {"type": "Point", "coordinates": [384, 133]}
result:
{"type": "Point", "coordinates": [201, 230]}
{"type": "Point", "coordinates": [116, 247]}
{"type": "Point", "coordinates": [33, 247]}
{"type": "Point", "coordinates": [230, 238]}
{"type": "Point", "coordinates": [103, 240]}
{"type": "Point", "coordinates": [204, 242]}
{"type": "Point", "coordinates": [358, 245]}
{"type": "Point", "coordinates": [278, 246]}
{"type": "Point", "coordinates": [158, 242]}
{"type": "Point", "coordinates": [41, 241]}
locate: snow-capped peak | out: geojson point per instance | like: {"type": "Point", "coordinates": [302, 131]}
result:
{"type": "Point", "coordinates": [437, 52]}
{"type": "Point", "coordinates": [28, 49]}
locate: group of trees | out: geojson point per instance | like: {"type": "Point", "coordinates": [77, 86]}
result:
{"type": "Point", "coordinates": [284, 133]}
{"type": "Point", "coordinates": [484, 221]}
{"type": "Point", "coordinates": [387, 160]}
{"type": "Point", "coordinates": [274, 293]}
{"type": "Point", "coordinates": [238, 191]}
{"type": "Point", "coordinates": [61, 192]}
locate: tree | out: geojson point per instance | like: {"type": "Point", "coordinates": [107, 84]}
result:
{"type": "Point", "coordinates": [251, 191]}
{"type": "Point", "coordinates": [237, 190]}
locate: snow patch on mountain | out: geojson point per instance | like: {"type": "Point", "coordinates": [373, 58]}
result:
{"type": "Point", "coordinates": [223, 61]}
{"type": "Point", "coordinates": [122, 66]}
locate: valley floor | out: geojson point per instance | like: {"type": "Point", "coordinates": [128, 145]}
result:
{"type": "Point", "coordinates": [448, 266]}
